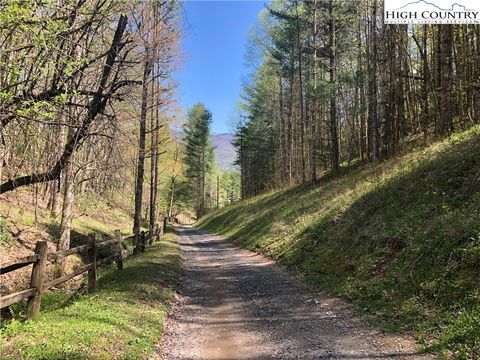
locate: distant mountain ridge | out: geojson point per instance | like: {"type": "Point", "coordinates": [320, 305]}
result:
{"type": "Point", "coordinates": [225, 152]}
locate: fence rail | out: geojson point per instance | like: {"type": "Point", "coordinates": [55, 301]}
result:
{"type": "Point", "coordinates": [41, 256]}
{"type": "Point", "coordinates": [18, 264]}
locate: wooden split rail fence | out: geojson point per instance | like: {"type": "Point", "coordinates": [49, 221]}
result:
{"type": "Point", "coordinates": [40, 257]}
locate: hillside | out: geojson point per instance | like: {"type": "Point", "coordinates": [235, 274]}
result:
{"type": "Point", "coordinates": [24, 221]}
{"type": "Point", "coordinates": [225, 153]}
{"type": "Point", "coordinates": [401, 239]}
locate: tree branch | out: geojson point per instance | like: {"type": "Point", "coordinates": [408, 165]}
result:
{"type": "Point", "coordinates": [97, 105]}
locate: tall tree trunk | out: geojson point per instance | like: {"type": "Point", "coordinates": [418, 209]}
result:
{"type": "Point", "coordinates": [445, 69]}
{"type": "Point", "coordinates": [55, 187]}
{"type": "Point", "coordinates": [300, 90]}
{"type": "Point", "coordinates": [290, 129]}
{"type": "Point", "coordinates": [67, 213]}
{"type": "Point", "coordinates": [476, 84]}
{"type": "Point", "coordinates": [218, 192]}
{"type": "Point", "coordinates": [153, 158]}
{"type": "Point", "coordinates": [333, 95]}
{"type": "Point", "coordinates": [386, 84]}
{"type": "Point", "coordinates": [87, 171]}
{"type": "Point", "coordinates": [170, 202]}
{"type": "Point", "coordinates": [313, 149]}
{"type": "Point", "coordinates": [362, 108]}
{"type": "Point", "coordinates": [137, 218]}
{"type": "Point", "coordinates": [373, 128]}
{"type": "Point", "coordinates": [283, 134]}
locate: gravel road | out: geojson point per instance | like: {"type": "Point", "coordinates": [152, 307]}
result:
{"type": "Point", "coordinates": [235, 304]}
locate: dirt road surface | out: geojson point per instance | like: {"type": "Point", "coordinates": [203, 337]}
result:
{"type": "Point", "coordinates": [235, 304]}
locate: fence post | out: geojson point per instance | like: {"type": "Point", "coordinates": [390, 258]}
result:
{"type": "Point", "coordinates": [118, 236]}
{"type": "Point", "coordinates": [142, 241]}
{"type": "Point", "coordinates": [38, 274]}
{"type": "Point", "coordinates": [92, 255]}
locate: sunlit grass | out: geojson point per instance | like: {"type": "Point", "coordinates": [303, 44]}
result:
{"type": "Point", "coordinates": [399, 238]}
{"type": "Point", "coordinates": [122, 320]}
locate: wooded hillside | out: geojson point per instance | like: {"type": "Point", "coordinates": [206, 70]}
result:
{"type": "Point", "coordinates": [400, 239]}
{"type": "Point", "coordinates": [86, 97]}
{"type": "Point", "coordinates": [333, 84]}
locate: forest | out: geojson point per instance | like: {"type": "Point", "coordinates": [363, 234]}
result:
{"type": "Point", "coordinates": [87, 99]}
{"type": "Point", "coordinates": [352, 205]}
{"type": "Point", "coordinates": [332, 84]}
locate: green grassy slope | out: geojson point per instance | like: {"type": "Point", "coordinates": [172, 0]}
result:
{"type": "Point", "coordinates": [122, 320]}
{"type": "Point", "coordinates": [401, 239]}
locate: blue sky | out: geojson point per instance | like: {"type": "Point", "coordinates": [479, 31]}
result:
{"type": "Point", "coordinates": [214, 46]}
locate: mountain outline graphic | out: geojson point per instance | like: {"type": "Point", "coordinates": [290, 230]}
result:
{"type": "Point", "coordinates": [438, 7]}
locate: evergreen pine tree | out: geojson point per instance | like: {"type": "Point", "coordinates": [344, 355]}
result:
{"type": "Point", "coordinates": [198, 152]}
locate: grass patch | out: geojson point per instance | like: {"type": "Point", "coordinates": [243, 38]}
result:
{"type": "Point", "coordinates": [401, 239]}
{"type": "Point", "coordinates": [122, 320]}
